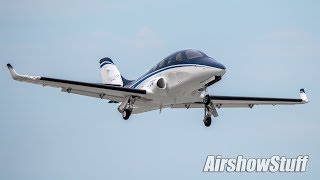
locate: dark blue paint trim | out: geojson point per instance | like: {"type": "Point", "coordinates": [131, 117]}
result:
{"type": "Point", "coordinates": [126, 81]}
{"type": "Point", "coordinates": [143, 78]}
{"type": "Point", "coordinates": [207, 61]}
{"type": "Point", "coordinates": [104, 63]}
{"type": "Point", "coordinates": [106, 60]}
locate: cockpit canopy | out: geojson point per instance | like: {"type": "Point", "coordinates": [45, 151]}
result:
{"type": "Point", "coordinates": [192, 54]}
{"type": "Point", "coordinates": [178, 57]}
{"type": "Point", "coordinates": [186, 54]}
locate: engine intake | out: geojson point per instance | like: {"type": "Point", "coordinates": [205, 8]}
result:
{"type": "Point", "coordinates": [157, 86]}
{"type": "Point", "coordinates": [161, 83]}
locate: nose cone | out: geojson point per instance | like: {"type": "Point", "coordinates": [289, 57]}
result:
{"type": "Point", "coordinates": [214, 63]}
{"type": "Point", "coordinates": [218, 69]}
{"type": "Point", "coordinates": [219, 65]}
{"type": "Point", "coordinates": [210, 62]}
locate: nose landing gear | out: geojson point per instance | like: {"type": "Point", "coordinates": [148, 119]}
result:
{"type": "Point", "coordinates": [206, 100]}
{"type": "Point", "coordinates": [207, 121]}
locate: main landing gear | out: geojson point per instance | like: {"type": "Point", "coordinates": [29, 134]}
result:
{"type": "Point", "coordinates": [209, 110]}
{"type": "Point", "coordinates": [126, 114]}
{"type": "Point", "coordinates": [126, 107]}
{"type": "Point", "coordinates": [207, 121]}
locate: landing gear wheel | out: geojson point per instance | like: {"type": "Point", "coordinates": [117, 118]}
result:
{"type": "Point", "coordinates": [206, 100]}
{"type": "Point", "coordinates": [126, 114]}
{"type": "Point", "coordinates": [207, 121]}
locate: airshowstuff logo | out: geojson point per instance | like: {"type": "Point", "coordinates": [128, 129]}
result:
{"type": "Point", "coordinates": [273, 164]}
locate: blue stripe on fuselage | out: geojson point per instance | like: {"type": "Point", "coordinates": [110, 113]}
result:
{"type": "Point", "coordinates": [143, 78]}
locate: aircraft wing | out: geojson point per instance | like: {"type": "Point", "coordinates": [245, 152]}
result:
{"type": "Point", "coordinates": [240, 101]}
{"type": "Point", "coordinates": [114, 93]}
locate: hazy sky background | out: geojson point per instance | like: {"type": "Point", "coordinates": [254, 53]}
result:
{"type": "Point", "coordinates": [270, 48]}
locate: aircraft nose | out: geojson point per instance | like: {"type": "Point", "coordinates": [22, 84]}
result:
{"type": "Point", "coordinates": [219, 69]}
{"type": "Point", "coordinates": [213, 63]}
{"type": "Point", "coordinates": [213, 67]}
{"type": "Point", "coordinates": [220, 66]}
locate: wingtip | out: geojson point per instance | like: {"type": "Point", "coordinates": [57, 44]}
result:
{"type": "Point", "coordinates": [303, 96]}
{"type": "Point", "coordinates": [9, 66]}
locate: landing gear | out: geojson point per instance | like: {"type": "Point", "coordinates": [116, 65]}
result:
{"type": "Point", "coordinates": [206, 100]}
{"type": "Point", "coordinates": [126, 107]}
{"type": "Point", "coordinates": [126, 114]}
{"type": "Point", "coordinates": [207, 121]}
{"type": "Point", "coordinates": [209, 110]}
{"type": "Point", "coordinates": [207, 116]}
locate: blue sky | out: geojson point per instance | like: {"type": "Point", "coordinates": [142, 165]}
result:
{"type": "Point", "coordinates": [270, 48]}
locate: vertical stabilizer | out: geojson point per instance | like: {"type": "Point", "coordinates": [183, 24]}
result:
{"type": "Point", "coordinates": [110, 73]}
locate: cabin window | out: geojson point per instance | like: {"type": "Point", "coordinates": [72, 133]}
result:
{"type": "Point", "coordinates": [161, 64]}
{"type": "Point", "coordinates": [192, 54]}
{"type": "Point", "coordinates": [170, 60]}
{"type": "Point", "coordinates": [179, 57]}
{"type": "Point", "coordinates": [153, 69]}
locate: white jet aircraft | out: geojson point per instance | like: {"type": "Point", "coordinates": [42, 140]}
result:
{"type": "Point", "coordinates": [178, 81]}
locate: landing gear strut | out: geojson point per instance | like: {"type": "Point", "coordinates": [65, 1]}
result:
{"type": "Point", "coordinates": [209, 110]}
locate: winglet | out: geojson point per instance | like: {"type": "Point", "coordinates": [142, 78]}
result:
{"type": "Point", "coordinates": [13, 73]}
{"type": "Point", "coordinates": [19, 77]}
{"type": "Point", "coordinates": [303, 96]}
{"type": "Point", "coordinates": [9, 66]}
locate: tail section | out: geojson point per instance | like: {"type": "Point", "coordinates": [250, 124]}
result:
{"type": "Point", "coordinates": [110, 73]}
{"type": "Point", "coordinates": [126, 82]}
